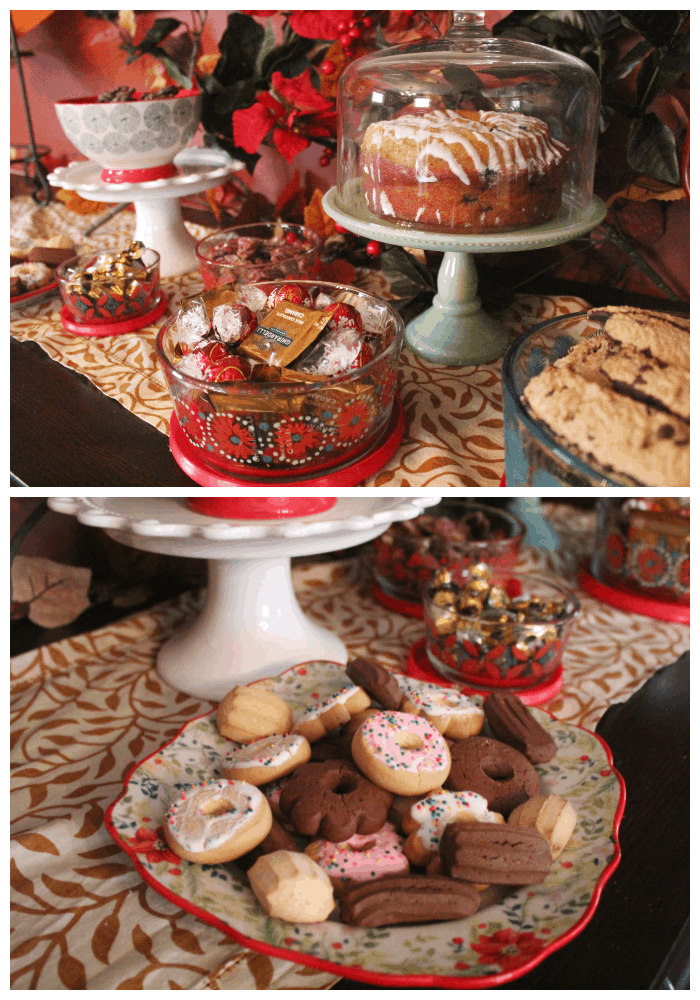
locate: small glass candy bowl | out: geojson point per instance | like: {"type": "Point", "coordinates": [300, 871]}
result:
{"type": "Point", "coordinates": [110, 287]}
{"type": "Point", "coordinates": [533, 456]}
{"type": "Point", "coordinates": [643, 546]}
{"type": "Point", "coordinates": [496, 630]}
{"type": "Point", "coordinates": [454, 534]}
{"type": "Point", "coordinates": [260, 430]}
{"type": "Point", "coordinates": [260, 251]}
{"type": "Point", "coordinates": [133, 140]}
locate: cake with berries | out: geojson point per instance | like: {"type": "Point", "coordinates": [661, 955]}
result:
{"type": "Point", "coordinates": [477, 171]}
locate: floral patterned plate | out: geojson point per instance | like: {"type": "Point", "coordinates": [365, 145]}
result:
{"type": "Point", "coordinates": [500, 942]}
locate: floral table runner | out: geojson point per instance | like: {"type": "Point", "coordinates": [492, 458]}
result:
{"type": "Point", "coordinates": [86, 709]}
{"type": "Point", "coordinates": [454, 432]}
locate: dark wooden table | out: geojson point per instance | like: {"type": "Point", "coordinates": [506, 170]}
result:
{"type": "Point", "coordinates": [638, 938]}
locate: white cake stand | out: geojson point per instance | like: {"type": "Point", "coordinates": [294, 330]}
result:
{"type": "Point", "coordinates": [159, 223]}
{"type": "Point", "coordinates": [251, 625]}
{"type": "Point", "coordinates": [455, 330]}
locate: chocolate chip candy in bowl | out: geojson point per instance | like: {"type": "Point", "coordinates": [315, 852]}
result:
{"type": "Point", "coordinates": [258, 416]}
{"type": "Point", "coordinates": [260, 251]}
{"type": "Point", "coordinates": [104, 288]}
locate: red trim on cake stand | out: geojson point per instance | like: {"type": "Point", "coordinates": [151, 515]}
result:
{"type": "Point", "coordinates": [187, 457]}
{"type": "Point", "coordinates": [503, 480]}
{"type": "Point", "coordinates": [632, 601]}
{"type": "Point", "coordinates": [120, 175]}
{"type": "Point", "coordinates": [260, 508]}
{"type": "Point", "coordinates": [403, 607]}
{"type": "Point", "coordinates": [420, 667]}
{"type": "Point", "coordinates": [113, 329]}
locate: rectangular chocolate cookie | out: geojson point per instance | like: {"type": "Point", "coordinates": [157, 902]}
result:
{"type": "Point", "coordinates": [495, 853]}
{"type": "Point", "coordinates": [513, 723]}
{"type": "Point", "coordinates": [409, 899]}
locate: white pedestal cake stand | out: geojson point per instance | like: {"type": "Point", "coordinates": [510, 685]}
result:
{"type": "Point", "coordinates": [455, 330]}
{"type": "Point", "coordinates": [251, 625]}
{"type": "Point", "coordinates": [159, 223]}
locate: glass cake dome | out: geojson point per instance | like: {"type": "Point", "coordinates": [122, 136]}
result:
{"type": "Point", "coordinates": [469, 134]}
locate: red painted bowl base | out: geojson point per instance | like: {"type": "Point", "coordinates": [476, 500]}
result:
{"type": "Point", "coordinates": [188, 458]}
{"type": "Point", "coordinates": [113, 329]}
{"type": "Point", "coordinates": [420, 667]}
{"type": "Point", "coordinates": [633, 602]}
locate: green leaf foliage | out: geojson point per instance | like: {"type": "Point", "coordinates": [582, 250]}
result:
{"type": "Point", "coordinates": [651, 149]}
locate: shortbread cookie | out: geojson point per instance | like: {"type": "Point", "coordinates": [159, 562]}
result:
{"type": "Point", "coordinates": [217, 821]}
{"type": "Point", "coordinates": [292, 887]}
{"type": "Point", "coordinates": [666, 337]}
{"type": "Point", "coordinates": [249, 713]}
{"type": "Point", "coordinates": [267, 759]}
{"type": "Point", "coordinates": [553, 816]}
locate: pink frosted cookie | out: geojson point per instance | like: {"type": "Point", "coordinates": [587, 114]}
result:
{"type": "Point", "coordinates": [362, 857]}
{"type": "Point", "coordinates": [217, 821]}
{"type": "Point", "coordinates": [332, 712]}
{"type": "Point", "coordinates": [402, 753]}
{"type": "Point", "coordinates": [453, 714]}
{"type": "Point", "coordinates": [428, 818]}
{"type": "Point", "coordinates": [267, 759]}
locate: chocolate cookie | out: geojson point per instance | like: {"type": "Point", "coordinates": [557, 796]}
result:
{"type": "Point", "coordinates": [277, 840]}
{"type": "Point", "coordinates": [377, 681]}
{"type": "Point", "coordinates": [498, 772]}
{"type": "Point", "coordinates": [334, 801]}
{"type": "Point", "coordinates": [495, 853]}
{"type": "Point", "coordinates": [408, 899]}
{"type": "Point", "coordinates": [512, 722]}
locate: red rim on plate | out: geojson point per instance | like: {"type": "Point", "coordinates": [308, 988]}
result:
{"type": "Point", "coordinates": [187, 457]}
{"type": "Point", "coordinates": [35, 293]}
{"type": "Point", "coordinates": [420, 667]}
{"type": "Point", "coordinates": [630, 600]}
{"type": "Point", "coordinates": [410, 608]}
{"type": "Point", "coordinates": [357, 972]}
{"type": "Point", "coordinates": [113, 329]}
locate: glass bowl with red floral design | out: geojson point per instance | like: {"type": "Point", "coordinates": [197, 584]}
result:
{"type": "Point", "coordinates": [110, 286]}
{"type": "Point", "coordinates": [496, 629]}
{"type": "Point", "coordinates": [260, 251]}
{"type": "Point", "coordinates": [282, 381]}
{"type": "Point", "coordinates": [454, 534]}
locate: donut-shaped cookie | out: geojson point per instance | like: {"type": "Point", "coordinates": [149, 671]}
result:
{"type": "Point", "coordinates": [362, 857]}
{"type": "Point", "coordinates": [428, 818]}
{"type": "Point", "coordinates": [332, 712]}
{"type": "Point", "coordinates": [217, 821]}
{"type": "Point", "coordinates": [249, 713]}
{"type": "Point", "coordinates": [453, 714]}
{"type": "Point", "coordinates": [402, 753]}
{"type": "Point", "coordinates": [333, 801]}
{"type": "Point", "coordinates": [266, 759]}
{"type": "Point", "coordinates": [498, 772]}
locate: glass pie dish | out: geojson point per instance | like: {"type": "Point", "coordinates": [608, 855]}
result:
{"type": "Point", "coordinates": [282, 431]}
{"type": "Point", "coordinates": [533, 456]}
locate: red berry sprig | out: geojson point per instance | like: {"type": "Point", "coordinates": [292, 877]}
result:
{"type": "Point", "coordinates": [373, 248]}
{"type": "Point", "coordinates": [349, 34]}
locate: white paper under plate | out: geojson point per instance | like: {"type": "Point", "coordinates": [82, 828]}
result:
{"type": "Point", "coordinates": [498, 943]}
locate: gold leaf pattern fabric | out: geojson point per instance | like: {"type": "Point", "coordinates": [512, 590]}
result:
{"type": "Point", "coordinates": [85, 710]}
{"type": "Point", "coordinates": [454, 416]}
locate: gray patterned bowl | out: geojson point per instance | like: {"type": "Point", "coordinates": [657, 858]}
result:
{"type": "Point", "coordinates": [132, 140]}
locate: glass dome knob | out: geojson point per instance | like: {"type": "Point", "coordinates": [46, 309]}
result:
{"type": "Point", "coordinates": [468, 25]}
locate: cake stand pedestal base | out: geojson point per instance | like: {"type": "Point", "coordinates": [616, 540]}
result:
{"type": "Point", "coordinates": [251, 626]}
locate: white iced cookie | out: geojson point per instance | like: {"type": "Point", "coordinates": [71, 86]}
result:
{"type": "Point", "coordinates": [332, 712]}
{"type": "Point", "coordinates": [427, 819]}
{"type": "Point", "coordinates": [217, 821]}
{"type": "Point", "coordinates": [267, 759]}
{"type": "Point", "coordinates": [454, 715]}
{"type": "Point", "coordinates": [292, 887]}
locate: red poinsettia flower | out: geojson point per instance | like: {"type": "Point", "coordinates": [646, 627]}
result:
{"type": "Point", "coordinates": [508, 948]}
{"type": "Point", "coordinates": [234, 438]}
{"type": "Point", "coordinates": [305, 115]}
{"type": "Point", "coordinates": [295, 439]}
{"type": "Point", "coordinates": [152, 844]}
{"type": "Point", "coordinates": [320, 23]}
